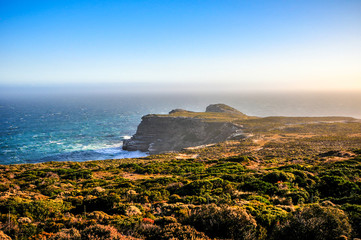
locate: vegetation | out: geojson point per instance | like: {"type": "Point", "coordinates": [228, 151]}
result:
{"type": "Point", "coordinates": [290, 178]}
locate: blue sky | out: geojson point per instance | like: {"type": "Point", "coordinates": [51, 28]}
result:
{"type": "Point", "coordinates": [234, 44]}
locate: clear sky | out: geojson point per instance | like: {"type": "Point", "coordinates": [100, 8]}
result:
{"type": "Point", "coordinates": [235, 44]}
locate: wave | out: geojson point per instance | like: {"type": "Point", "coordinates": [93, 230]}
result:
{"type": "Point", "coordinates": [88, 155]}
{"type": "Point", "coordinates": [93, 146]}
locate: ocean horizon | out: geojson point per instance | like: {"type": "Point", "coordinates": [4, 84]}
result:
{"type": "Point", "coordinates": [44, 128]}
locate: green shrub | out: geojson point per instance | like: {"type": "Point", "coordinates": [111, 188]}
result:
{"type": "Point", "coordinates": [279, 176]}
{"type": "Point", "coordinates": [174, 198]}
{"type": "Point", "coordinates": [224, 222]}
{"type": "Point", "coordinates": [258, 198]}
{"type": "Point", "coordinates": [354, 213]}
{"type": "Point", "coordinates": [226, 167]}
{"type": "Point", "coordinates": [38, 210]}
{"type": "Point", "coordinates": [28, 230]}
{"type": "Point", "coordinates": [105, 203]}
{"type": "Point", "coordinates": [265, 214]}
{"type": "Point", "coordinates": [124, 223]}
{"type": "Point", "coordinates": [3, 236]}
{"type": "Point", "coordinates": [256, 185]}
{"type": "Point", "coordinates": [238, 159]}
{"type": "Point", "coordinates": [315, 222]}
{"type": "Point", "coordinates": [162, 221]}
{"type": "Point", "coordinates": [100, 232]}
{"type": "Point", "coordinates": [67, 234]}
{"type": "Point", "coordinates": [336, 186]}
{"type": "Point", "coordinates": [78, 174]}
{"type": "Point", "coordinates": [198, 187]}
{"type": "Point", "coordinates": [180, 232]}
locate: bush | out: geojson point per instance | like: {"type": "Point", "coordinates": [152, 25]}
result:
{"type": "Point", "coordinates": [198, 187]}
{"type": "Point", "coordinates": [336, 186]}
{"type": "Point", "coordinates": [238, 159]}
{"type": "Point", "coordinates": [132, 211]}
{"type": "Point", "coordinates": [67, 234]}
{"type": "Point", "coordinates": [37, 210]}
{"type": "Point", "coordinates": [174, 198]}
{"type": "Point", "coordinates": [101, 232]}
{"type": "Point", "coordinates": [3, 236]}
{"type": "Point", "coordinates": [105, 203]}
{"type": "Point", "coordinates": [315, 222]}
{"type": "Point", "coordinates": [99, 216]}
{"type": "Point", "coordinates": [124, 223]}
{"type": "Point", "coordinates": [256, 185]}
{"type": "Point", "coordinates": [277, 176]}
{"type": "Point", "coordinates": [224, 222]}
{"type": "Point", "coordinates": [162, 221]}
{"type": "Point", "coordinates": [354, 213]}
{"type": "Point", "coordinates": [265, 214]}
{"type": "Point", "coordinates": [180, 232]}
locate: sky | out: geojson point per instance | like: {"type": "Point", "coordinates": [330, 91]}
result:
{"type": "Point", "coordinates": [183, 44]}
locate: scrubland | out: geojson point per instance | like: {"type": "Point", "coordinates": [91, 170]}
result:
{"type": "Point", "coordinates": [290, 178]}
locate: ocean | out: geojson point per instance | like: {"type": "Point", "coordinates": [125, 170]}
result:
{"type": "Point", "coordinates": [41, 128]}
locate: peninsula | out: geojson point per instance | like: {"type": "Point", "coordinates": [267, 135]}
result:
{"type": "Point", "coordinates": [180, 129]}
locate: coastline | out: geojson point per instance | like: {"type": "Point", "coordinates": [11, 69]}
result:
{"type": "Point", "coordinates": [86, 155]}
{"type": "Point", "coordinates": [264, 182]}
{"type": "Point", "coordinates": [37, 127]}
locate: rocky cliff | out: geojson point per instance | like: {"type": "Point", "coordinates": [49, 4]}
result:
{"type": "Point", "coordinates": [180, 129]}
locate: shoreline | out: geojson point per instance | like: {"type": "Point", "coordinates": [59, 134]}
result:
{"type": "Point", "coordinates": [80, 156]}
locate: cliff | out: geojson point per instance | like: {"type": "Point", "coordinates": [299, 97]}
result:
{"type": "Point", "coordinates": [181, 129]}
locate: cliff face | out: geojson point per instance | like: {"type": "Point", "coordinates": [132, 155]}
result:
{"type": "Point", "coordinates": [181, 129]}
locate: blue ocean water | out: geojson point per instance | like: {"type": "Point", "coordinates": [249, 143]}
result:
{"type": "Point", "coordinates": [92, 127]}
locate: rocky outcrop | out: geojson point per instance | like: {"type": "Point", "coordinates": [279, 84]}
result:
{"type": "Point", "coordinates": [223, 108]}
{"type": "Point", "coordinates": [178, 111]}
{"type": "Point", "coordinates": [180, 129]}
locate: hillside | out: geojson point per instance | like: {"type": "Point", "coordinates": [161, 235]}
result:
{"type": "Point", "coordinates": [289, 178]}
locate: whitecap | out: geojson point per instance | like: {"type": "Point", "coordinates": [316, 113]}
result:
{"type": "Point", "coordinates": [132, 154]}
{"type": "Point", "coordinates": [110, 151]}
{"type": "Point", "coordinates": [88, 155]}
{"type": "Point", "coordinates": [94, 147]}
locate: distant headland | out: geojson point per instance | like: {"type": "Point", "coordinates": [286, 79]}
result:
{"type": "Point", "coordinates": [179, 129]}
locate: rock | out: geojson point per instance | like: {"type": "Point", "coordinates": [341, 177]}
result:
{"type": "Point", "coordinates": [178, 111]}
{"type": "Point", "coordinates": [163, 133]}
{"type": "Point", "coordinates": [222, 108]}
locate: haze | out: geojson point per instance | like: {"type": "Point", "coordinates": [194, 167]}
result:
{"type": "Point", "coordinates": [229, 45]}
